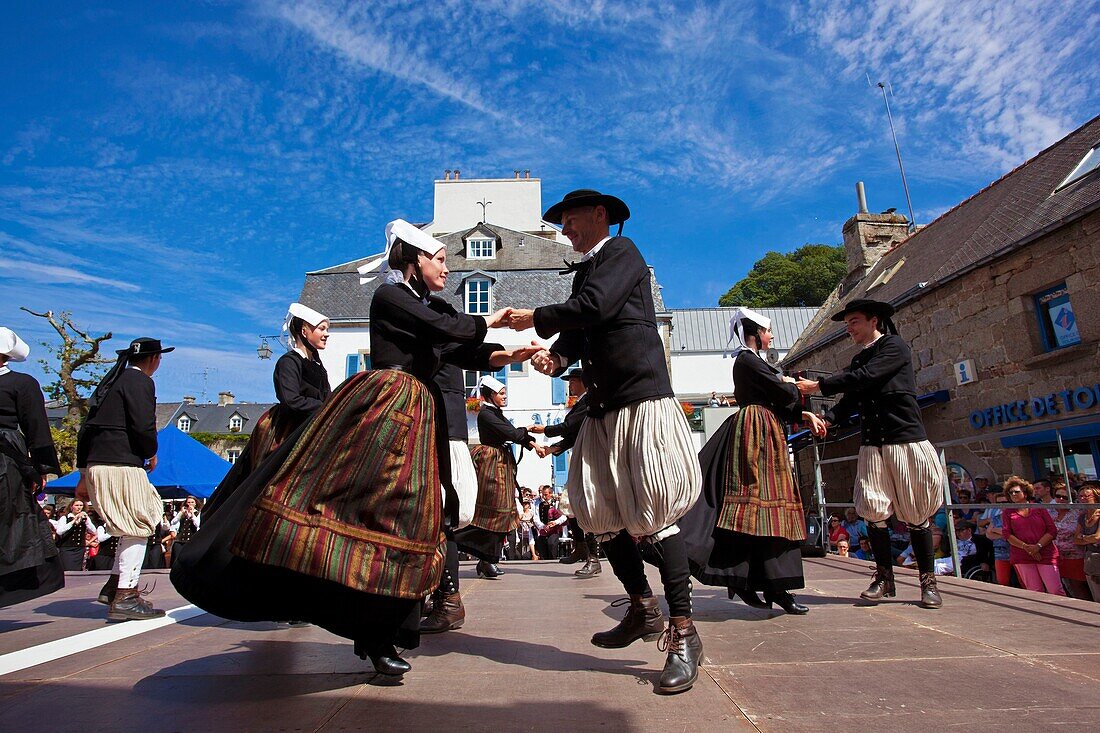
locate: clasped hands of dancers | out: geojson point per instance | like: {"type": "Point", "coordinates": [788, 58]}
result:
{"type": "Point", "coordinates": [333, 515]}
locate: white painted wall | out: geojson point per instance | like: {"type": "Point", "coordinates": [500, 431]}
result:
{"type": "Point", "coordinates": [702, 373]}
{"type": "Point", "coordinates": [516, 204]}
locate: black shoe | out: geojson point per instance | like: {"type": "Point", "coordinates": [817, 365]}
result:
{"type": "Point", "coordinates": [385, 659]}
{"type": "Point", "coordinates": [590, 570]}
{"type": "Point", "coordinates": [643, 620]}
{"type": "Point", "coordinates": [128, 605]}
{"type": "Point", "coordinates": [487, 570]}
{"type": "Point", "coordinates": [786, 601]}
{"type": "Point", "coordinates": [107, 592]}
{"type": "Point", "coordinates": [749, 597]}
{"type": "Point", "coordinates": [882, 585]}
{"type": "Point", "coordinates": [685, 649]}
{"type": "Point", "coordinates": [929, 594]}
{"type": "Point", "coordinates": [497, 568]}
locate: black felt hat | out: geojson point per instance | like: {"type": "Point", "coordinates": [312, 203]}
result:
{"type": "Point", "coordinates": [144, 347]}
{"type": "Point", "coordinates": [867, 307]}
{"type": "Point", "coordinates": [617, 211]}
{"type": "Point", "coordinates": [577, 373]}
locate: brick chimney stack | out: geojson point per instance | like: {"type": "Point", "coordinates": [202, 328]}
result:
{"type": "Point", "coordinates": [225, 398]}
{"type": "Point", "coordinates": [189, 399]}
{"type": "Point", "coordinates": [867, 237]}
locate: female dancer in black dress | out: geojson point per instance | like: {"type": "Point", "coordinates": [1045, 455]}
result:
{"type": "Point", "coordinates": [745, 531]}
{"type": "Point", "coordinates": [29, 562]}
{"type": "Point", "coordinates": [342, 525]}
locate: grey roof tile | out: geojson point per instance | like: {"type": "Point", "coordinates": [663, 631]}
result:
{"type": "Point", "coordinates": [707, 329]}
{"type": "Point", "coordinates": [213, 418]}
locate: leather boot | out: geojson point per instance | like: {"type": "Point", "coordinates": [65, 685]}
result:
{"type": "Point", "coordinates": [486, 570]}
{"type": "Point", "coordinates": [579, 553]}
{"type": "Point", "coordinates": [925, 556]}
{"type": "Point", "coordinates": [685, 649]}
{"type": "Point", "coordinates": [108, 591]}
{"type": "Point", "coordinates": [749, 597]}
{"type": "Point", "coordinates": [447, 614]}
{"type": "Point", "coordinates": [786, 601]}
{"type": "Point", "coordinates": [590, 570]}
{"type": "Point", "coordinates": [129, 605]}
{"type": "Point", "coordinates": [384, 657]}
{"type": "Point", "coordinates": [643, 620]}
{"type": "Point", "coordinates": [882, 585]}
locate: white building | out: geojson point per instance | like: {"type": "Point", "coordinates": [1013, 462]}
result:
{"type": "Point", "coordinates": [514, 259]}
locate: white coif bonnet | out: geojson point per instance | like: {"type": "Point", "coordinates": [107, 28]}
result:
{"type": "Point", "coordinates": [736, 331]}
{"type": "Point", "coordinates": [307, 314]}
{"type": "Point", "coordinates": [492, 384]}
{"type": "Point", "coordinates": [13, 347]}
{"type": "Point", "coordinates": [406, 232]}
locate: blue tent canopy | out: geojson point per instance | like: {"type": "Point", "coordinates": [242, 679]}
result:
{"type": "Point", "coordinates": [185, 467]}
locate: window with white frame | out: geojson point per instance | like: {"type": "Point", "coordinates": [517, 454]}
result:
{"type": "Point", "coordinates": [184, 424]}
{"type": "Point", "coordinates": [479, 296]}
{"type": "Point", "coordinates": [232, 455]}
{"type": "Point", "coordinates": [480, 249]}
{"type": "Point", "coordinates": [235, 424]}
{"type": "Point", "coordinates": [1057, 321]}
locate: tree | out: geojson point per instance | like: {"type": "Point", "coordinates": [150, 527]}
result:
{"type": "Point", "coordinates": [804, 277]}
{"type": "Point", "coordinates": [77, 366]}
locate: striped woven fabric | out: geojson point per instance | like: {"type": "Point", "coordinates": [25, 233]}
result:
{"type": "Point", "coordinates": [357, 501]}
{"type": "Point", "coordinates": [761, 498]}
{"type": "Point", "coordinates": [496, 488]}
{"type": "Point", "coordinates": [270, 431]}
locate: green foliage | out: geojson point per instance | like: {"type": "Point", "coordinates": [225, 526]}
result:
{"type": "Point", "coordinates": [804, 277]}
{"type": "Point", "coordinates": [64, 439]}
{"type": "Point", "coordinates": [209, 439]}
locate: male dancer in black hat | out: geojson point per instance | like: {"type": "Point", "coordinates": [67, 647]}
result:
{"type": "Point", "coordinates": [899, 472]}
{"type": "Point", "coordinates": [634, 470]}
{"type": "Point", "coordinates": [584, 543]}
{"type": "Point", "coordinates": [116, 448]}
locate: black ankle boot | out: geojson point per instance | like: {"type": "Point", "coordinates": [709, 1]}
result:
{"type": "Point", "coordinates": [882, 584]}
{"type": "Point", "coordinates": [786, 601]}
{"type": "Point", "coordinates": [384, 657]}
{"type": "Point", "coordinates": [486, 570]}
{"type": "Point", "coordinates": [643, 620]}
{"type": "Point", "coordinates": [685, 649]}
{"type": "Point", "coordinates": [749, 597]}
{"type": "Point", "coordinates": [925, 556]}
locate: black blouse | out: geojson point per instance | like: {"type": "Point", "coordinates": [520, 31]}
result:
{"type": "Point", "coordinates": [495, 430]}
{"type": "Point", "coordinates": [300, 384]}
{"type": "Point", "coordinates": [755, 382]}
{"type": "Point", "coordinates": [407, 332]}
{"type": "Point", "coordinates": [880, 386]}
{"type": "Point", "coordinates": [23, 408]}
{"type": "Point", "coordinates": [570, 427]}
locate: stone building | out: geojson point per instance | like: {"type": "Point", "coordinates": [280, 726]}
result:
{"type": "Point", "coordinates": [224, 427]}
{"type": "Point", "coordinates": [998, 300]}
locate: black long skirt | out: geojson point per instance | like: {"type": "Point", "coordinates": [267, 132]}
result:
{"type": "Point", "coordinates": [722, 557]}
{"type": "Point", "coordinates": [30, 566]}
{"type": "Point", "coordinates": [207, 574]}
{"type": "Point", "coordinates": [481, 543]}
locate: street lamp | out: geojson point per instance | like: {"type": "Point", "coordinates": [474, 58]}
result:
{"type": "Point", "coordinates": [263, 350]}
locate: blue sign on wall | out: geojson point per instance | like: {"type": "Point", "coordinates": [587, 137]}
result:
{"type": "Point", "coordinates": [1055, 403]}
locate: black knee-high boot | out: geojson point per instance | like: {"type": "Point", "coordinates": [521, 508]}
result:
{"type": "Point", "coordinates": [882, 585]}
{"type": "Point", "coordinates": [926, 564]}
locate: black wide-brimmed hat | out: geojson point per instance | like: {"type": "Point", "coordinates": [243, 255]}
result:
{"type": "Point", "coordinates": [617, 211]}
{"type": "Point", "coordinates": [577, 373]}
{"type": "Point", "coordinates": [867, 307]}
{"type": "Point", "coordinates": [144, 347]}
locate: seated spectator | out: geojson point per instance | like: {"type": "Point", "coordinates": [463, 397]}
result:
{"type": "Point", "coordinates": [964, 542]}
{"type": "Point", "coordinates": [1030, 533]}
{"type": "Point", "coordinates": [1071, 556]}
{"type": "Point", "coordinates": [836, 531]}
{"type": "Point", "coordinates": [853, 525]}
{"type": "Point", "coordinates": [906, 558]}
{"type": "Point", "coordinates": [899, 536]}
{"type": "Point", "coordinates": [981, 486]}
{"type": "Point", "coordinates": [864, 551]}
{"type": "Point", "coordinates": [966, 515]}
{"type": "Point", "coordinates": [842, 547]}
{"type": "Point", "coordinates": [1088, 535]}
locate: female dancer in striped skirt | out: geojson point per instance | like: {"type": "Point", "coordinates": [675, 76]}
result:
{"type": "Point", "coordinates": [342, 525]}
{"type": "Point", "coordinates": [745, 531]}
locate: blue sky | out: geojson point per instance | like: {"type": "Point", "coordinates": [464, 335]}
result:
{"type": "Point", "coordinates": [172, 169]}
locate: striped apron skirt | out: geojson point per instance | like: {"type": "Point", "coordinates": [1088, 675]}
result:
{"type": "Point", "coordinates": [636, 469]}
{"type": "Point", "coordinates": [905, 479]}
{"type": "Point", "coordinates": [273, 427]}
{"type": "Point", "coordinates": [357, 500]}
{"type": "Point", "coordinates": [495, 509]}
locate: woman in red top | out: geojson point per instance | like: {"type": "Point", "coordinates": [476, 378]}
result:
{"type": "Point", "coordinates": [836, 532]}
{"type": "Point", "coordinates": [1030, 533]}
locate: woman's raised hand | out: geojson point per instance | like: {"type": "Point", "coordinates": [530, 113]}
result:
{"type": "Point", "coordinates": [500, 319]}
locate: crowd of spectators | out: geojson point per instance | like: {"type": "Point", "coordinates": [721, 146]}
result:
{"type": "Point", "coordinates": [69, 518]}
{"type": "Point", "coordinates": [1043, 548]}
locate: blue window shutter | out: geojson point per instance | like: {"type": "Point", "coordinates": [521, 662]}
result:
{"type": "Point", "coordinates": [557, 394]}
{"type": "Point", "coordinates": [352, 365]}
{"type": "Point", "coordinates": [561, 469]}
{"type": "Point", "coordinates": [502, 374]}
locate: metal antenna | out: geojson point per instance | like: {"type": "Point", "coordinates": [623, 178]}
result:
{"type": "Point", "coordinates": [484, 205]}
{"type": "Point", "coordinates": [205, 377]}
{"type": "Point", "coordinates": [897, 149]}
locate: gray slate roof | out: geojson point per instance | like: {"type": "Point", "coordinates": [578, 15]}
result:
{"type": "Point", "coordinates": [213, 418]}
{"type": "Point", "coordinates": [1001, 218]}
{"type": "Point", "coordinates": [525, 274]}
{"type": "Point", "coordinates": [707, 329]}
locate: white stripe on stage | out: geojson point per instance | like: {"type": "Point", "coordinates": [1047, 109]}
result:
{"type": "Point", "coordinates": [52, 650]}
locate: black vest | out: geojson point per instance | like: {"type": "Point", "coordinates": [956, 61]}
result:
{"type": "Point", "coordinates": [75, 537]}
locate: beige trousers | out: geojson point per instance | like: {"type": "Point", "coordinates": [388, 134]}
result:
{"type": "Point", "coordinates": [123, 496]}
{"type": "Point", "coordinates": [905, 480]}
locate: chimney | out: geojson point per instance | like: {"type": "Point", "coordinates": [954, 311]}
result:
{"type": "Point", "coordinates": [527, 175]}
{"type": "Point", "coordinates": [456, 174]}
{"type": "Point", "coordinates": [189, 399]}
{"type": "Point", "coordinates": [447, 175]}
{"type": "Point", "coordinates": [515, 174]}
{"type": "Point", "coordinates": [225, 398]}
{"type": "Point", "coordinates": [869, 236]}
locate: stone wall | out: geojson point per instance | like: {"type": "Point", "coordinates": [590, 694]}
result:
{"type": "Point", "coordinates": [988, 315]}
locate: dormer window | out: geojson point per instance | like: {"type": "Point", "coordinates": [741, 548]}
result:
{"type": "Point", "coordinates": [1088, 164]}
{"type": "Point", "coordinates": [480, 249]}
{"type": "Point", "coordinates": [235, 424]}
{"type": "Point", "coordinates": [479, 296]}
{"type": "Point", "coordinates": [184, 424]}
